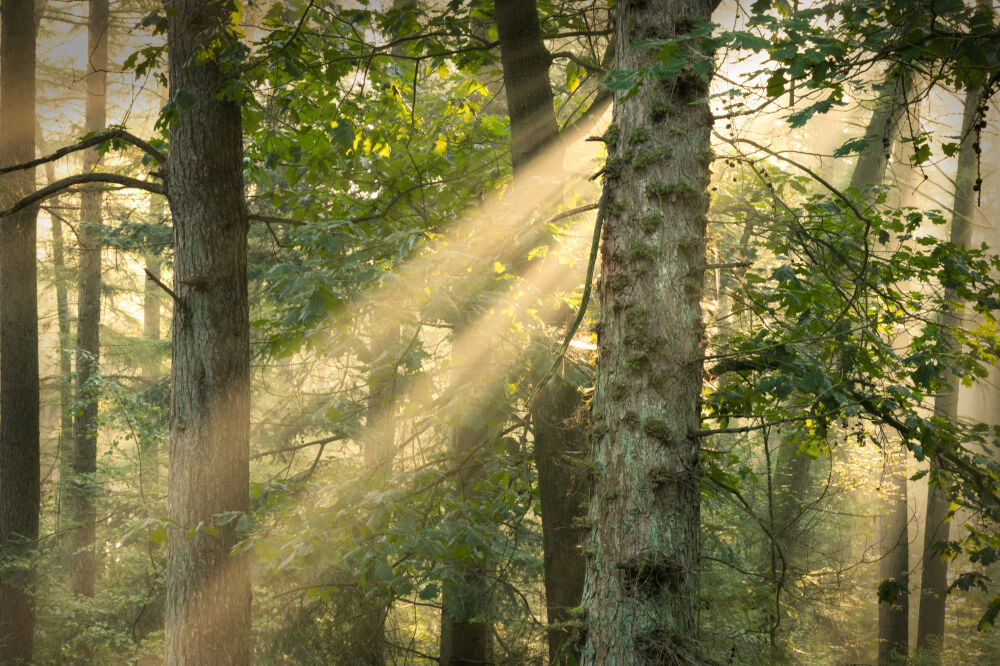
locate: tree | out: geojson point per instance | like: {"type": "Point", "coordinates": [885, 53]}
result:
{"type": "Point", "coordinates": [19, 437]}
{"type": "Point", "coordinates": [88, 346]}
{"type": "Point", "coordinates": [934, 581]}
{"type": "Point", "coordinates": [208, 588]}
{"type": "Point", "coordinates": [643, 550]}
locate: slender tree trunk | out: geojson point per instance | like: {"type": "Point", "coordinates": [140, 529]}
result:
{"type": "Point", "coordinates": [84, 486]}
{"type": "Point", "coordinates": [643, 549]}
{"type": "Point", "coordinates": [65, 446]}
{"type": "Point", "coordinates": [466, 633]}
{"type": "Point", "coordinates": [894, 617]}
{"type": "Point", "coordinates": [793, 471]}
{"type": "Point", "coordinates": [560, 433]}
{"type": "Point", "coordinates": [525, 63]}
{"type": "Point", "coordinates": [19, 443]}
{"type": "Point", "coordinates": [149, 454]}
{"type": "Point", "coordinates": [559, 426]}
{"type": "Point", "coordinates": [208, 589]}
{"type": "Point", "coordinates": [934, 581]}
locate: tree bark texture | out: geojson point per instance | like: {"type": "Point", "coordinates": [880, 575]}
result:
{"type": "Point", "coordinates": [562, 450]}
{"type": "Point", "coordinates": [894, 618]}
{"type": "Point", "coordinates": [84, 487]}
{"type": "Point", "coordinates": [19, 439]}
{"type": "Point", "coordinates": [525, 62]}
{"type": "Point", "coordinates": [643, 550]}
{"type": "Point", "coordinates": [934, 580]}
{"type": "Point", "coordinates": [208, 589]}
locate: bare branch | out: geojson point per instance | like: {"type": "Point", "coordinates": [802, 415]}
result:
{"type": "Point", "coordinates": [90, 142]}
{"type": "Point", "coordinates": [275, 220]}
{"type": "Point", "coordinates": [159, 283]}
{"type": "Point", "coordinates": [81, 179]}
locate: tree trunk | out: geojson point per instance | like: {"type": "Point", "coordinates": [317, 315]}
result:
{"type": "Point", "coordinates": [149, 455]}
{"type": "Point", "coordinates": [894, 616]}
{"type": "Point", "coordinates": [561, 453]}
{"type": "Point", "coordinates": [82, 510]}
{"type": "Point", "coordinates": [19, 443]}
{"type": "Point", "coordinates": [525, 63]}
{"type": "Point", "coordinates": [65, 446]}
{"type": "Point", "coordinates": [934, 581]}
{"type": "Point", "coordinates": [643, 550]}
{"type": "Point", "coordinates": [208, 589]}
{"type": "Point", "coordinates": [560, 446]}
{"type": "Point", "coordinates": [466, 632]}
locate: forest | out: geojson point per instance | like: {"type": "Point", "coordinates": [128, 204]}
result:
{"type": "Point", "coordinates": [541, 332]}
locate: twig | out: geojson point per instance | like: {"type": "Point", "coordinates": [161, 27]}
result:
{"type": "Point", "coordinates": [161, 285]}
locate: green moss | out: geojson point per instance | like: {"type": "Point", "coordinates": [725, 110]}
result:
{"type": "Point", "coordinates": [637, 317]}
{"type": "Point", "coordinates": [618, 282]}
{"type": "Point", "coordinates": [618, 207]}
{"type": "Point", "coordinates": [660, 476]}
{"type": "Point", "coordinates": [651, 222]}
{"type": "Point", "coordinates": [655, 427]}
{"type": "Point", "coordinates": [635, 360]}
{"type": "Point", "coordinates": [647, 156]}
{"type": "Point", "coordinates": [683, 190]}
{"type": "Point", "coordinates": [661, 110]}
{"type": "Point", "coordinates": [619, 389]}
{"type": "Point", "coordinates": [638, 135]}
{"type": "Point", "coordinates": [706, 156]}
{"type": "Point", "coordinates": [640, 251]}
{"type": "Point", "coordinates": [611, 134]}
{"type": "Point", "coordinates": [613, 167]}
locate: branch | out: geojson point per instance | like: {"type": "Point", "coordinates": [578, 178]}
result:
{"type": "Point", "coordinates": [81, 179]}
{"type": "Point", "coordinates": [159, 283]}
{"type": "Point", "coordinates": [276, 220]}
{"type": "Point", "coordinates": [89, 142]}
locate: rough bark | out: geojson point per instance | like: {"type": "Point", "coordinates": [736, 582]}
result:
{"type": "Point", "coordinates": [934, 580]}
{"type": "Point", "coordinates": [894, 617]}
{"type": "Point", "coordinates": [561, 439]}
{"type": "Point", "coordinates": [208, 589]}
{"type": "Point", "coordinates": [525, 62]}
{"type": "Point", "coordinates": [83, 486]}
{"type": "Point", "coordinates": [643, 549]}
{"type": "Point", "coordinates": [19, 441]}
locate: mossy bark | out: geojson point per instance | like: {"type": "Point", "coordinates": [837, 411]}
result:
{"type": "Point", "coordinates": [208, 589]}
{"type": "Point", "coordinates": [643, 550]}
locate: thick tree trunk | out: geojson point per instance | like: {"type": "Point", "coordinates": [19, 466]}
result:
{"type": "Point", "coordinates": [82, 509]}
{"type": "Point", "coordinates": [934, 581]}
{"type": "Point", "coordinates": [894, 618]}
{"type": "Point", "coordinates": [208, 589]}
{"type": "Point", "coordinates": [19, 443]}
{"type": "Point", "coordinates": [561, 453]}
{"type": "Point", "coordinates": [643, 550]}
